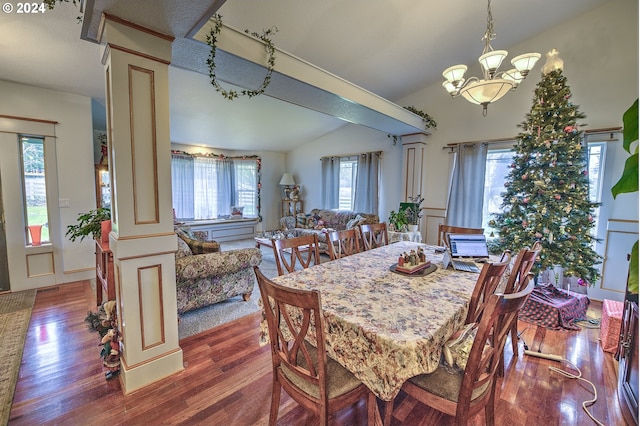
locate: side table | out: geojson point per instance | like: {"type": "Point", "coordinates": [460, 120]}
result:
{"type": "Point", "coordinates": [105, 279]}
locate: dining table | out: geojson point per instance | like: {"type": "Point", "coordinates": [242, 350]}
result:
{"type": "Point", "coordinates": [384, 326]}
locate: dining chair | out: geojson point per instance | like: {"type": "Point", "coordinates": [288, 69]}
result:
{"type": "Point", "coordinates": [373, 235]}
{"type": "Point", "coordinates": [443, 230]}
{"type": "Point", "coordinates": [301, 250]}
{"type": "Point", "coordinates": [486, 285]}
{"type": "Point", "coordinates": [343, 243]}
{"type": "Point", "coordinates": [519, 279]}
{"type": "Point", "coordinates": [306, 372]}
{"type": "Point", "coordinates": [463, 393]}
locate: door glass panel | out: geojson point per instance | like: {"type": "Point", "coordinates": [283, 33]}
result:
{"type": "Point", "coordinates": [35, 189]}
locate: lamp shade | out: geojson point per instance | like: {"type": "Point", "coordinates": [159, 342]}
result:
{"type": "Point", "coordinates": [491, 61]}
{"type": "Point", "coordinates": [287, 179]}
{"type": "Point", "coordinates": [524, 63]}
{"type": "Point", "coordinates": [486, 91]}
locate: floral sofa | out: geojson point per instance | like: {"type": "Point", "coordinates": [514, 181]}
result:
{"type": "Point", "coordinates": [205, 275]}
{"type": "Point", "coordinates": [319, 221]}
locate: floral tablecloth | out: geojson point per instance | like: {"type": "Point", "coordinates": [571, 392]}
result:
{"type": "Point", "coordinates": [382, 326]}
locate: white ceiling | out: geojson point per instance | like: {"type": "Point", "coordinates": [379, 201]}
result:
{"type": "Point", "coordinates": [389, 47]}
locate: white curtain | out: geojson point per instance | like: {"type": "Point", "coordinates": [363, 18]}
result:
{"type": "Point", "coordinates": [226, 194]}
{"type": "Point", "coordinates": [467, 187]}
{"type": "Point", "coordinates": [182, 186]}
{"type": "Point", "coordinates": [330, 182]}
{"type": "Point", "coordinates": [366, 187]}
{"type": "Point", "coordinates": [205, 173]}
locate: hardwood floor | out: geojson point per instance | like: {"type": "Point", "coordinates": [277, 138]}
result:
{"type": "Point", "coordinates": [227, 378]}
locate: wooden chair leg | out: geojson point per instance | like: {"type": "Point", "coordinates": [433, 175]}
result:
{"type": "Point", "coordinates": [388, 412]}
{"type": "Point", "coordinates": [372, 410]}
{"type": "Point", "coordinates": [489, 409]}
{"type": "Point", "coordinates": [514, 339]}
{"type": "Point", "coordinates": [275, 403]}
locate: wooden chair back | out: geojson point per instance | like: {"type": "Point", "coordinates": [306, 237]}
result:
{"type": "Point", "coordinates": [294, 318]}
{"type": "Point", "coordinates": [443, 230]}
{"type": "Point", "coordinates": [522, 265]}
{"type": "Point", "coordinates": [290, 252]}
{"type": "Point", "coordinates": [518, 280]}
{"type": "Point", "coordinates": [373, 235]}
{"type": "Point", "coordinates": [343, 243]}
{"type": "Point", "coordinates": [474, 389]}
{"type": "Point", "coordinates": [486, 285]}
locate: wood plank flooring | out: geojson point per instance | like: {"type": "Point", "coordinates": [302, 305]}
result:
{"type": "Point", "coordinates": [227, 378]}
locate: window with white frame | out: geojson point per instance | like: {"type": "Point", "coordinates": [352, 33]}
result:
{"type": "Point", "coordinates": [207, 187]}
{"type": "Point", "coordinates": [348, 172]}
{"type": "Point", "coordinates": [34, 182]}
{"type": "Point", "coordinates": [498, 166]}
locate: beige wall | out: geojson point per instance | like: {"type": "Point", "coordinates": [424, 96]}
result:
{"type": "Point", "coordinates": [74, 150]}
{"type": "Point", "coordinates": [600, 52]}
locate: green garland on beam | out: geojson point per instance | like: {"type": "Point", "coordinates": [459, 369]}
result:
{"type": "Point", "coordinates": [212, 40]}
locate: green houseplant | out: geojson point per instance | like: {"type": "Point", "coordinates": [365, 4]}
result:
{"type": "Point", "coordinates": [89, 224]}
{"type": "Point", "coordinates": [628, 182]}
{"type": "Point", "coordinates": [398, 220]}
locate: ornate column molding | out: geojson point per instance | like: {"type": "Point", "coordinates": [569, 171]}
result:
{"type": "Point", "coordinates": [142, 240]}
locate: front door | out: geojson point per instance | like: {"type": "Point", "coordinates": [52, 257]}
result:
{"type": "Point", "coordinates": [4, 264]}
{"type": "Point", "coordinates": [25, 202]}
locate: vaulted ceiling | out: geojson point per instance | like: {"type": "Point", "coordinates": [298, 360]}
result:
{"type": "Point", "coordinates": [389, 48]}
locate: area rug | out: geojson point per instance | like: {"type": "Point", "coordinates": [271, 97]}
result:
{"type": "Point", "coordinates": [206, 318]}
{"type": "Point", "coordinates": [15, 314]}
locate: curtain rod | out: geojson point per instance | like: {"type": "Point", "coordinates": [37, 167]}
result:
{"type": "Point", "coordinates": [215, 156]}
{"type": "Point", "coordinates": [351, 155]}
{"type": "Point", "coordinates": [453, 145]}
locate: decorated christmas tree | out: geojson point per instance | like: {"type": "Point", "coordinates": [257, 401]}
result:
{"type": "Point", "coordinates": [547, 188]}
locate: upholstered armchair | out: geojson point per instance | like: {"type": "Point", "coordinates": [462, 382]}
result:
{"type": "Point", "coordinates": [206, 275]}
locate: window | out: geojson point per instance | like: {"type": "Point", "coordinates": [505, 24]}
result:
{"type": "Point", "coordinates": [35, 187]}
{"type": "Point", "coordinates": [498, 165]}
{"type": "Point", "coordinates": [348, 172]}
{"type": "Point", "coordinates": [206, 187]}
{"type": "Point", "coordinates": [498, 162]}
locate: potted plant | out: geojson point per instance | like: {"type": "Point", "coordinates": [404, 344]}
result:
{"type": "Point", "coordinates": [89, 224]}
{"type": "Point", "coordinates": [413, 212]}
{"type": "Point", "coordinates": [628, 183]}
{"type": "Point", "coordinates": [398, 220]}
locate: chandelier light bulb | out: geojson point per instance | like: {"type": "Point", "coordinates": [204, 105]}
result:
{"type": "Point", "coordinates": [493, 85]}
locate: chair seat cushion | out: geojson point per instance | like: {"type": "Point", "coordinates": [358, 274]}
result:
{"type": "Point", "coordinates": [340, 380]}
{"type": "Point", "coordinates": [446, 384]}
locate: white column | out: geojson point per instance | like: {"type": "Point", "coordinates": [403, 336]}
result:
{"type": "Point", "coordinates": [413, 164]}
{"type": "Point", "coordinates": [136, 63]}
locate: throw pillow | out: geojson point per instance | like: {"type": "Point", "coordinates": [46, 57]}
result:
{"type": "Point", "coordinates": [358, 220]}
{"type": "Point", "coordinates": [183, 249]}
{"type": "Point", "coordinates": [301, 220]}
{"type": "Point", "coordinates": [456, 351]}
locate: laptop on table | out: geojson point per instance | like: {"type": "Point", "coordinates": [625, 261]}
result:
{"type": "Point", "coordinates": [462, 246]}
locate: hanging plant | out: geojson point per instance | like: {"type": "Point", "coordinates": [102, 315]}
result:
{"type": "Point", "coordinates": [428, 121]}
{"type": "Point", "coordinates": [231, 94]}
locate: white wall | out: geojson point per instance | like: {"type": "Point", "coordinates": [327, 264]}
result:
{"type": "Point", "coordinates": [304, 163]}
{"type": "Point", "coordinates": [74, 150]}
{"type": "Point", "coordinates": [600, 53]}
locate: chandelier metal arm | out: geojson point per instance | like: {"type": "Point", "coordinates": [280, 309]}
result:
{"type": "Point", "coordinates": [493, 85]}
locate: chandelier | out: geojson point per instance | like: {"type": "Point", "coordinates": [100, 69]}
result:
{"type": "Point", "coordinates": [492, 86]}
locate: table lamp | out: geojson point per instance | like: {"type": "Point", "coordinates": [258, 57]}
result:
{"type": "Point", "coordinates": [287, 181]}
